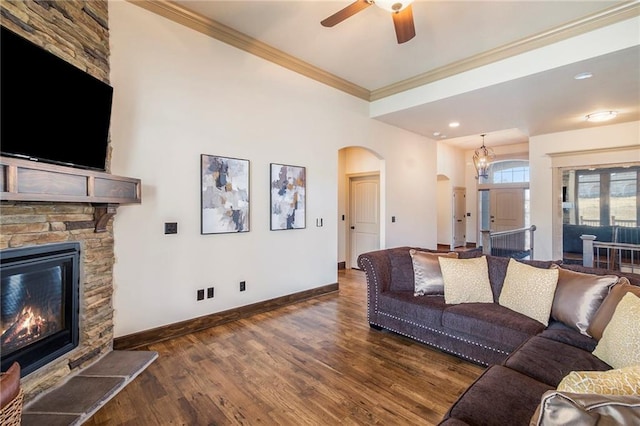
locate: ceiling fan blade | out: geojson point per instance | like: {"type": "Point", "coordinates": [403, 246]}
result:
{"type": "Point", "coordinates": [403, 22]}
{"type": "Point", "coordinates": [343, 14]}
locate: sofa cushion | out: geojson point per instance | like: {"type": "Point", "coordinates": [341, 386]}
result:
{"type": "Point", "coordinates": [620, 381]}
{"type": "Point", "coordinates": [578, 297]}
{"type": "Point", "coordinates": [426, 310]}
{"type": "Point", "coordinates": [561, 333]}
{"type": "Point", "coordinates": [529, 290]}
{"type": "Point", "coordinates": [426, 271]}
{"type": "Point", "coordinates": [466, 280]}
{"type": "Point", "coordinates": [571, 242]}
{"type": "Point", "coordinates": [401, 269]}
{"type": "Point", "coordinates": [549, 361]}
{"type": "Point", "coordinates": [492, 322]}
{"type": "Point", "coordinates": [605, 311]}
{"type": "Point", "coordinates": [497, 397]}
{"type": "Point", "coordinates": [621, 337]}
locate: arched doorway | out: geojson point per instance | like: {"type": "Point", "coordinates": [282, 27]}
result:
{"type": "Point", "coordinates": [360, 204]}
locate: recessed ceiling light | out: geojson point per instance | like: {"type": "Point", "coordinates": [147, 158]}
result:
{"type": "Point", "coordinates": [436, 134]}
{"type": "Point", "coordinates": [454, 124]}
{"type": "Point", "coordinates": [599, 116]}
{"type": "Point", "coordinates": [583, 75]}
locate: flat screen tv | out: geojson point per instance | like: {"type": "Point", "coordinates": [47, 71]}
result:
{"type": "Point", "coordinates": [50, 110]}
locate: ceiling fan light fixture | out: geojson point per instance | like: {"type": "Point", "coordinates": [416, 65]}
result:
{"type": "Point", "coordinates": [597, 117]}
{"type": "Point", "coordinates": [393, 6]}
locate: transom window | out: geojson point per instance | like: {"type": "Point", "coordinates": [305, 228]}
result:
{"type": "Point", "coordinates": [509, 171]}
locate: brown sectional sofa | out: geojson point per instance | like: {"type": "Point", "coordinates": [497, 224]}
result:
{"type": "Point", "coordinates": [525, 359]}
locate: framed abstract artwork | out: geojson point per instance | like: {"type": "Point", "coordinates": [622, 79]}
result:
{"type": "Point", "coordinates": [288, 197]}
{"type": "Point", "coordinates": [225, 194]}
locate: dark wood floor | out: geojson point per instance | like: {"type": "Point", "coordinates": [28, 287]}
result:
{"type": "Point", "coordinates": [312, 363]}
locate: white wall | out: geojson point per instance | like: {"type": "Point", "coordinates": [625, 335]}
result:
{"type": "Point", "coordinates": [445, 210]}
{"type": "Point", "coordinates": [451, 173]}
{"type": "Point", "coordinates": [577, 143]}
{"type": "Point", "coordinates": [179, 94]}
{"type": "Point", "coordinates": [451, 163]}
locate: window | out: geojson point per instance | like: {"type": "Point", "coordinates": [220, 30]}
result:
{"type": "Point", "coordinates": [510, 171]}
{"type": "Point", "coordinates": [624, 198]}
{"type": "Point", "coordinates": [589, 198]}
{"type": "Point", "coordinates": [602, 196]}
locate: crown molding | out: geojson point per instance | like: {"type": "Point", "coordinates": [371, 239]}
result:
{"type": "Point", "coordinates": [242, 41]}
{"type": "Point", "coordinates": [228, 35]}
{"type": "Point", "coordinates": [592, 22]}
{"type": "Point", "coordinates": [630, 148]}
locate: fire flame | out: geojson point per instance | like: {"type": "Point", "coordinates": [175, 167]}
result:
{"type": "Point", "coordinates": [28, 326]}
{"type": "Point", "coordinates": [32, 323]}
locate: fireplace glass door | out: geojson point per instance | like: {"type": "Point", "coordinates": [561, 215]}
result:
{"type": "Point", "coordinates": [39, 304]}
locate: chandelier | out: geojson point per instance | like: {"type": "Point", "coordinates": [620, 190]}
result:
{"type": "Point", "coordinates": [482, 160]}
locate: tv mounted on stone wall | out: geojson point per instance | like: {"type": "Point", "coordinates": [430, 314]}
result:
{"type": "Point", "coordinates": [51, 111]}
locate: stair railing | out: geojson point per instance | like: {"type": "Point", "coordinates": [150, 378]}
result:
{"type": "Point", "coordinates": [516, 243]}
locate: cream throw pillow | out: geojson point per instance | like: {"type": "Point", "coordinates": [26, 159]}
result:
{"type": "Point", "coordinates": [529, 290]}
{"type": "Point", "coordinates": [620, 343]}
{"type": "Point", "coordinates": [466, 280]}
{"type": "Point", "coordinates": [621, 381]}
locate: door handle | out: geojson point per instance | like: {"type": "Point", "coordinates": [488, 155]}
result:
{"type": "Point", "coordinates": [459, 220]}
{"type": "Point", "coordinates": [353, 227]}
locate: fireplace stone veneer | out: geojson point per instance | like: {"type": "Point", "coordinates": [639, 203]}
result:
{"type": "Point", "coordinates": [24, 224]}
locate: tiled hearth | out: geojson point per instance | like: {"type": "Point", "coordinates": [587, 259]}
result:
{"type": "Point", "coordinates": [82, 395]}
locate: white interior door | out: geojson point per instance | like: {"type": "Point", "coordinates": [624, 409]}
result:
{"type": "Point", "coordinates": [507, 209]}
{"type": "Point", "coordinates": [459, 217]}
{"type": "Point", "coordinates": [364, 216]}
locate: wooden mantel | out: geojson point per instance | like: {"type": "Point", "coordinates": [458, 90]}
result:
{"type": "Point", "coordinates": [24, 180]}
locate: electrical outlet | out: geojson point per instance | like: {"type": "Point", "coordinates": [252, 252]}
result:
{"type": "Point", "coordinates": [243, 285]}
{"type": "Point", "coordinates": [171, 227]}
{"type": "Point", "coordinates": [209, 292]}
{"type": "Point", "coordinates": [200, 294]}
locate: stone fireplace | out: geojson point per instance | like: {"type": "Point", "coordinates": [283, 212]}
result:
{"type": "Point", "coordinates": [34, 224]}
{"type": "Point", "coordinates": [78, 32]}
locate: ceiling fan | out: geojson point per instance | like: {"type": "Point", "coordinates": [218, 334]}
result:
{"type": "Point", "coordinates": [400, 11]}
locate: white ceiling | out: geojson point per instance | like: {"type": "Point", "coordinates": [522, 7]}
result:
{"type": "Point", "coordinates": [363, 51]}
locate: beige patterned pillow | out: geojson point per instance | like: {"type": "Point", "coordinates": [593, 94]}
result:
{"type": "Point", "coordinates": [529, 290]}
{"type": "Point", "coordinates": [620, 343]}
{"type": "Point", "coordinates": [621, 381]}
{"type": "Point", "coordinates": [466, 280]}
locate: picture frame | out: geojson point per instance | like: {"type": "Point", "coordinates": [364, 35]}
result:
{"type": "Point", "coordinates": [225, 190]}
{"type": "Point", "coordinates": [288, 196]}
